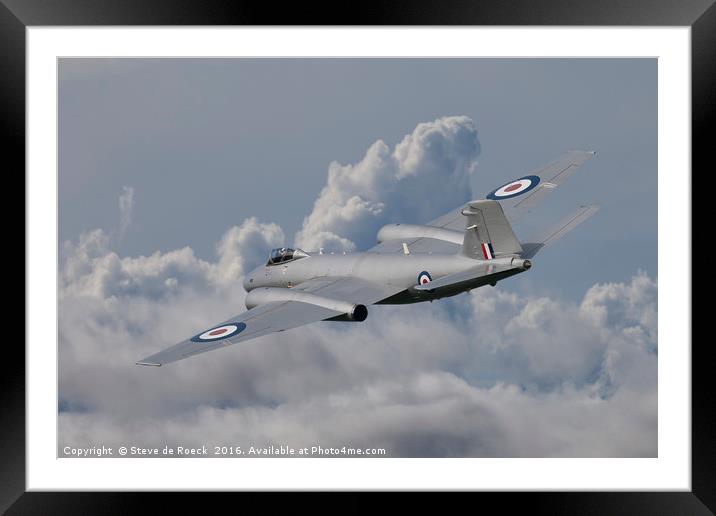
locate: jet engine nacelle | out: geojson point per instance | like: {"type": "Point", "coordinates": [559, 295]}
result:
{"type": "Point", "coordinates": [407, 232]}
{"type": "Point", "coordinates": [349, 311]}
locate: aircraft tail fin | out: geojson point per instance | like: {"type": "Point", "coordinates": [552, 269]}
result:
{"type": "Point", "coordinates": [488, 234]}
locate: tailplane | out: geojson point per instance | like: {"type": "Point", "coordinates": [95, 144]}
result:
{"type": "Point", "coordinates": [546, 237]}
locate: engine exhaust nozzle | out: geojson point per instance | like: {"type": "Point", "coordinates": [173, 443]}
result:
{"type": "Point", "coordinates": [522, 264]}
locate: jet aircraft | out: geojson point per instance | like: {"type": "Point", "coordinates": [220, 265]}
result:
{"type": "Point", "coordinates": [469, 247]}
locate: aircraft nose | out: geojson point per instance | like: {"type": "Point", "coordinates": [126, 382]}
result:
{"type": "Point", "coordinates": [247, 282]}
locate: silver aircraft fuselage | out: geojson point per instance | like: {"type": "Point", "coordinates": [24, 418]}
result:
{"type": "Point", "coordinates": [401, 270]}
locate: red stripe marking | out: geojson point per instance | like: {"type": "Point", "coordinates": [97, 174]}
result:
{"type": "Point", "coordinates": [484, 252]}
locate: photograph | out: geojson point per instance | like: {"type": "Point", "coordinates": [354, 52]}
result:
{"type": "Point", "coordinates": [357, 257]}
{"type": "Point", "coordinates": [419, 248]}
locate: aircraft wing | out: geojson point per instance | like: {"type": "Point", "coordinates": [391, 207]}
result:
{"type": "Point", "coordinates": [354, 290]}
{"type": "Point", "coordinates": [521, 195]}
{"type": "Point", "coordinates": [274, 317]}
{"type": "Point", "coordinates": [517, 198]}
{"type": "Point", "coordinates": [261, 320]}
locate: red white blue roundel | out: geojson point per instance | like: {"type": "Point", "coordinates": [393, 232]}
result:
{"type": "Point", "coordinates": [514, 188]}
{"type": "Point", "coordinates": [220, 332]}
{"type": "Point", "coordinates": [424, 278]}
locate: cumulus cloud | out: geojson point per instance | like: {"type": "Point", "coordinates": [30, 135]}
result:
{"type": "Point", "coordinates": [495, 375]}
{"type": "Point", "coordinates": [92, 268]}
{"type": "Point", "coordinates": [425, 175]}
{"type": "Point", "coordinates": [244, 247]}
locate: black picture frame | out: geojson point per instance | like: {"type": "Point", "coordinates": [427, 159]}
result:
{"type": "Point", "coordinates": [16, 15]}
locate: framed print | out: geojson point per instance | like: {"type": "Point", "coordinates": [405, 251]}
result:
{"type": "Point", "coordinates": [208, 199]}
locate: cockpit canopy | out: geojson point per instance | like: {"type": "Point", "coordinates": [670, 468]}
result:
{"type": "Point", "coordinates": [285, 254]}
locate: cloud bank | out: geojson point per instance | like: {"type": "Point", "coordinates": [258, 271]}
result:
{"type": "Point", "coordinates": [506, 376]}
{"type": "Point", "coordinates": [425, 175]}
{"type": "Point", "coordinates": [91, 268]}
{"type": "Point", "coordinates": [489, 373]}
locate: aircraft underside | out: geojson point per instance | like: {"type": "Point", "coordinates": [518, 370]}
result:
{"type": "Point", "coordinates": [410, 296]}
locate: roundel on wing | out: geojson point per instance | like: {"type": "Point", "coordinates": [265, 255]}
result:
{"type": "Point", "coordinates": [220, 332]}
{"type": "Point", "coordinates": [424, 278]}
{"type": "Point", "coordinates": [514, 188]}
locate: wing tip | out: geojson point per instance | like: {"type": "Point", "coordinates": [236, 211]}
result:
{"type": "Point", "coordinates": [148, 363]}
{"type": "Point", "coordinates": [588, 153]}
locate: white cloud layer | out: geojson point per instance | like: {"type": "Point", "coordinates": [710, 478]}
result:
{"type": "Point", "coordinates": [425, 175]}
{"type": "Point", "coordinates": [489, 373]}
{"type": "Point", "coordinates": [484, 374]}
{"type": "Point", "coordinates": [91, 268]}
